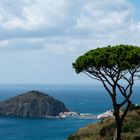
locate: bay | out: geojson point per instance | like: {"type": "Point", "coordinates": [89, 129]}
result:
{"type": "Point", "coordinates": [79, 98]}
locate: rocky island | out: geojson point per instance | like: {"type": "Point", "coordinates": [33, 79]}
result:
{"type": "Point", "coordinates": [32, 104]}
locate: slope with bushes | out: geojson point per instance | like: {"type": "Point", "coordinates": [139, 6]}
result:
{"type": "Point", "coordinates": [105, 129]}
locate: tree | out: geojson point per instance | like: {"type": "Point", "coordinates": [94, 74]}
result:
{"type": "Point", "coordinates": [117, 68]}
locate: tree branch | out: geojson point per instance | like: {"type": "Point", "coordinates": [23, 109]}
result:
{"type": "Point", "coordinates": [91, 76]}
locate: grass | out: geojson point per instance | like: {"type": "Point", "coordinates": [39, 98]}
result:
{"type": "Point", "coordinates": [105, 129]}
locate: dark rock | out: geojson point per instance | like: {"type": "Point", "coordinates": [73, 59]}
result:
{"type": "Point", "coordinates": [32, 104]}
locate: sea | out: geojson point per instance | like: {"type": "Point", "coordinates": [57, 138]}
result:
{"type": "Point", "coordinates": [80, 98]}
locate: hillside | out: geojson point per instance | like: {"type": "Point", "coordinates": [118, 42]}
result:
{"type": "Point", "coordinates": [105, 129]}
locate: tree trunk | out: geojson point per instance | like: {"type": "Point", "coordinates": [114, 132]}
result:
{"type": "Point", "coordinates": [119, 129]}
{"type": "Point", "coordinates": [119, 123]}
{"type": "Point", "coordinates": [117, 135]}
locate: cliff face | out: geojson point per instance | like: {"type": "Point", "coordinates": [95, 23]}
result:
{"type": "Point", "coordinates": [32, 104]}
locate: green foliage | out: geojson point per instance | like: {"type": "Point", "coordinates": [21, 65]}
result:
{"type": "Point", "coordinates": [134, 107]}
{"type": "Point", "coordinates": [122, 56]}
{"type": "Point", "coordinates": [72, 137]}
{"type": "Point", "coordinates": [132, 125]}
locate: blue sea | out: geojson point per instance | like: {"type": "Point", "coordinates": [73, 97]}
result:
{"type": "Point", "coordinates": [80, 98]}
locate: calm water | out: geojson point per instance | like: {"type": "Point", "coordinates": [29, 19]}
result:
{"type": "Point", "coordinates": [84, 99]}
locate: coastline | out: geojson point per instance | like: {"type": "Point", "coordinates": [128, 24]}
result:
{"type": "Point", "coordinates": [72, 114]}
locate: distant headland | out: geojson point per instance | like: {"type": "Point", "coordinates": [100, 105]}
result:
{"type": "Point", "coordinates": [32, 104]}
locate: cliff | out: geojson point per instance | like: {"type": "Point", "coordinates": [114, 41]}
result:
{"type": "Point", "coordinates": [105, 129]}
{"type": "Point", "coordinates": [32, 104]}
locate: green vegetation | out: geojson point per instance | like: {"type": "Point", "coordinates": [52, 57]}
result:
{"type": "Point", "coordinates": [113, 65]}
{"type": "Point", "coordinates": [105, 129]}
{"type": "Point", "coordinates": [122, 56]}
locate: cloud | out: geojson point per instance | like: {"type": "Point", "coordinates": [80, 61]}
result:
{"type": "Point", "coordinates": [21, 44]}
{"type": "Point", "coordinates": [99, 15]}
{"type": "Point", "coordinates": [31, 14]}
{"type": "Point", "coordinates": [66, 26]}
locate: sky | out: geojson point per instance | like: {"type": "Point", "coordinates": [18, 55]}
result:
{"type": "Point", "coordinates": [40, 39]}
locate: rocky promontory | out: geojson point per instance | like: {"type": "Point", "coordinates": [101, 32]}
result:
{"type": "Point", "coordinates": [32, 104]}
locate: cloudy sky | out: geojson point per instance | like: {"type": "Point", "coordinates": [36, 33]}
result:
{"type": "Point", "coordinates": [39, 39]}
